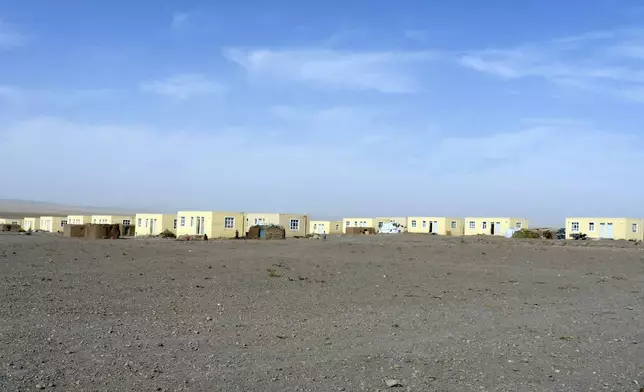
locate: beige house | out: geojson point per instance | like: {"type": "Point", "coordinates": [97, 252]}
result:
{"type": "Point", "coordinates": [214, 224]}
{"type": "Point", "coordinates": [400, 221]}
{"type": "Point", "coordinates": [296, 225]}
{"type": "Point", "coordinates": [435, 225]}
{"type": "Point", "coordinates": [52, 224]}
{"type": "Point", "coordinates": [11, 221]}
{"type": "Point", "coordinates": [79, 219]}
{"type": "Point", "coordinates": [493, 226]}
{"type": "Point", "coordinates": [155, 224]}
{"type": "Point", "coordinates": [606, 228]}
{"type": "Point", "coordinates": [325, 227]}
{"type": "Point", "coordinates": [358, 222]}
{"type": "Point", "coordinates": [31, 223]}
{"type": "Point", "coordinates": [113, 219]}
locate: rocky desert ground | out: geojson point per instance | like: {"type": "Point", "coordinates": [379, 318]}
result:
{"type": "Point", "coordinates": [400, 313]}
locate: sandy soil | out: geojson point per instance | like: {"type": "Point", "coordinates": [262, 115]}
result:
{"type": "Point", "coordinates": [348, 314]}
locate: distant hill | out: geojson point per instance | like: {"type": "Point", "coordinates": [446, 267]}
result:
{"type": "Point", "coordinates": [11, 208]}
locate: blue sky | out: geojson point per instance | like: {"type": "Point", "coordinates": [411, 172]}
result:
{"type": "Point", "coordinates": [335, 108]}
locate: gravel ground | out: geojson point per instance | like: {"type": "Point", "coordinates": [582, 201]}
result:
{"type": "Point", "coordinates": [346, 314]}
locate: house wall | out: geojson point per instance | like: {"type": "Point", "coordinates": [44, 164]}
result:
{"type": "Point", "coordinates": [79, 219]}
{"type": "Point", "coordinates": [267, 218]}
{"type": "Point", "coordinates": [144, 226]}
{"type": "Point", "coordinates": [52, 224]}
{"type": "Point", "coordinates": [219, 229]}
{"type": "Point", "coordinates": [504, 223]}
{"type": "Point", "coordinates": [187, 223]}
{"type": "Point", "coordinates": [358, 222]}
{"type": "Point", "coordinates": [31, 223]}
{"type": "Point", "coordinates": [622, 227]}
{"type": "Point", "coordinates": [330, 227]}
{"type": "Point", "coordinates": [302, 227]}
{"type": "Point", "coordinates": [9, 221]}
{"type": "Point", "coordinates": [403, 221]}
{"type": "Point", "coordinates": [440, 225]}
{"type": "Point", "coordinates": [113, 219]}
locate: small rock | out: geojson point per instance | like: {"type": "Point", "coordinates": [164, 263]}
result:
{"type": "Point", "coordinates": [393, 383]}
{"type": "Point", "coordinates": [38, 386]}
{"type": "Point", "coordinates": [208, 318]}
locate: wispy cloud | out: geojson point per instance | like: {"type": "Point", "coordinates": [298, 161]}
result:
{"type": "Point", "coordinates": [184, 86]}
{"type": "Point", "coordinates": [607, 62]}
{"type": "Point", "coordinates": [179, 19]}
{"type": "Point", "coordinates": [386, 72]}
{"type": "Point", "coordinates": [9, 37]}
{"type": "Point", "coordinates": [21, 95]}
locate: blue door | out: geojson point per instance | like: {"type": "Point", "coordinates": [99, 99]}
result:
{"type": "Point", "coordinates": [602, 230]}
{"type": "Point", "coordinates": [609, 230]}
{"type": "Point", "coordinates": [261, 233]}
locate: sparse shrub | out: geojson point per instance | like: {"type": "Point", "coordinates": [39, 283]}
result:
{"type": "Point", "coordinates": [22, 231]}
{"type": "Point", "coordinates": [526, 234]}
{"type": "Point", "coordinates": [273, 273]}
{"type": "Point", "coordinates": [167, 234]}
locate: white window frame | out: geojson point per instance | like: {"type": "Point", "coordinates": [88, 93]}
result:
{"type": "Point", "coordinates": [174, 223]}
{"type": "Point", "coordinates": [146, 222]}
{"type": "Point", "coordinates": [129, 222]}
{"type": "Point", "coordinates": [484, 226]}
{"type": "Point", "coordinates": [591, 227]}
{"type": "Point", "coordinates": [294, 224]}
{"type": "Point", "coordinates": [229, 222]}
{"type": "Point", "coordinates": [192, 221]}
{"type": "Point", "coordinates": [63, 223]}
{"type": "Point", "coordinates": [424, 223]}
{"type": "Point", "coordinates": [634, 227]}
{"type": "Point", "coordinates": [348, 223]}
{"type": "Point", "coordinates": [454, 225]}
{"type": "Point", "coordinates": [183, 221]}
{"type": "Point", "coordinates": [519, 225]}
{"type": "Point", "coordinates": [472, 224]}
{"type": "Point", "coordinates": [574, 227]}
{"type": "Point", "coordinates": [413, 223]}
{"type": "Point", "coordinates": [139, 222]}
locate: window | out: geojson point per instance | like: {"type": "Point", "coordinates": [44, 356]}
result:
{"type": "Point", "coordinates": [355, 223]}
{"type": "Point", "coordinates": [484, 225]}
{"type": "Point", "coordinates": [315, 226]}
{"type": "Point", "coordinates": [229, 222]}
{"type": "Point", "coordinates": [192, 221]}
{"type": "Point", "coordinates": [348, 223]}
{"type": "Point", "coordinates": [63, 223]}
{"type": "Point", "coordinates": [518, 225]}
{"type": "Point", "coordinates": [139, 222]}
{"type": "Point", "coordinates": [126, 222]}
{"type": "Point", "coordinates": [472, 225]}
{"type": "Point", "coordinates": [413, 223]}
{"type": "Point", "coordinates": [174, 223]}
{"type": "Point", "coordinates": [146, 223]}
{"type": "Point", "coordinates": [634, 227]}
{"type": "Point", "coordinates": [183, 221]}
{"type": "Point", "coordinates": [337, 227]}
{"type": "Point", "coordinates": [574, 226]}
{"type": "Point", "coordinates": [591, 226]}
{"type": "Point", "coordinates": [295, 224]}
{"type": "Point", "coordinates": [454, 225]}
{"type": "Point", "coordinates": [424, 223]}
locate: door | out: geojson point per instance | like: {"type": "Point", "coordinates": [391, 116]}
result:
{"type": "Point", "coordinates": [321, 228]}
{"type": "Point", "coordinates": [198, 226]}
{"type": "Point", "coordinates": [602, 230]}
{"type": "Point", "coordinates": [435, 227]}
{"type": "Point", "coordinates": [431, 227]}
{"type": "Point", "coordinates": [492, 228]}
{"type": "Point", "coordinates": [497, 227]}
{"type": "Point", "coordinates": [609, 230]}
